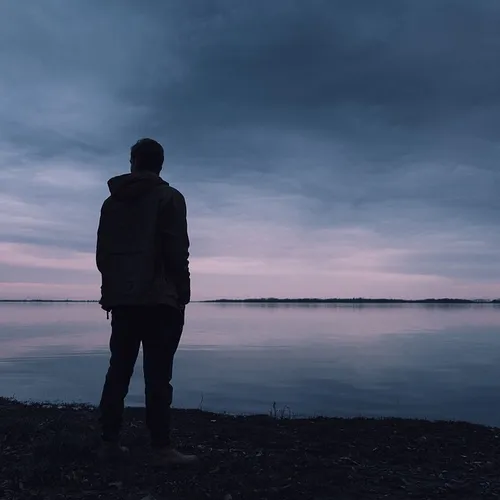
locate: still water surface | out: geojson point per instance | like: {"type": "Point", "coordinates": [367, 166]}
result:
{"type": "Point", "coordinates": [438, 362]}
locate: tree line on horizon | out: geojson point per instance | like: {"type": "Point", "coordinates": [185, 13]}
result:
{"type": "Point", "coordinates": [275, 300]}
{"type": "Point", "coordinates": [359, 300]}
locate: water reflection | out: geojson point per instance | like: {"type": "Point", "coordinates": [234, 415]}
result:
{"type": "Point", "coordinates": [404, 360]}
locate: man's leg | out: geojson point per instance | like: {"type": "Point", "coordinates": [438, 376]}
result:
{"type": "Point", "coordinates": [124, 346]}
{"type": "Point", "coordinates": [160, 343]}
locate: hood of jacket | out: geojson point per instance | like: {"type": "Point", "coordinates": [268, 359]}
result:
{"type": "Point", "coordinates": [135, 185]}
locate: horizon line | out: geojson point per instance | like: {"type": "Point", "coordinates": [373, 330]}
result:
{"type": "Point", "coordinates": [286, 300]}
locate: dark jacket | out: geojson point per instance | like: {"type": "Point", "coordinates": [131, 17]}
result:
{"type": "Point", "coordinates": [143, 244]}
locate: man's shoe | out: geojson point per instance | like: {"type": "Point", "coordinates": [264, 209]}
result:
{"type": "Point", "coordinates": [170, 457]}
{"type": "Point", "coordinates": [111, 450]}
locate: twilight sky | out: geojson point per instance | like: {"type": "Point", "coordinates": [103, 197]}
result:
{"type": "Point", "coordinates": [325, 147]}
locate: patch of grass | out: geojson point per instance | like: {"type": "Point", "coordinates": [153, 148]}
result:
{"type": "Point", "coordinates": [281, 413]}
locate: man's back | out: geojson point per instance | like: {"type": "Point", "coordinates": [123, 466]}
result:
{"type": "Point", "coordinates": [142, 243]}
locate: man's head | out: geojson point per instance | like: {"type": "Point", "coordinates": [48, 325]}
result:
{"type": "Point", "coordinates": [146, 155]}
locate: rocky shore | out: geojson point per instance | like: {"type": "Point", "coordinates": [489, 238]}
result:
{"type": "Point", "coordinates": [49, 452]}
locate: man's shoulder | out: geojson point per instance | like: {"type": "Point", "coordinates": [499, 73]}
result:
{"type": "Point", "coordinates": [169, 193]}
{"type": "Point", "coordinates": [106, 203]}
{"type": "Point", "coordinates": [170, 189]}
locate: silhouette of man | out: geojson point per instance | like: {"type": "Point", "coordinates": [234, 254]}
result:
{"type": "Point", "coordinates": [143, 257]}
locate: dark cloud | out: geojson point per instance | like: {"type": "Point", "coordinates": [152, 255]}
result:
{"type": "Point", "coordinates": [315, 116]}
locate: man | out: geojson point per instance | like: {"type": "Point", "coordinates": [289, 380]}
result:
{"type": "Point", "coordinates": [143, 257]}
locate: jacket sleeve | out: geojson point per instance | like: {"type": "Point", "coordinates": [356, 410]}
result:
{"type": "Point", "coordinates": [175, 244]}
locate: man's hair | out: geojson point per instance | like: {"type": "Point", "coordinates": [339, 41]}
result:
{"type": "Point", "coordinates": [148, 155]}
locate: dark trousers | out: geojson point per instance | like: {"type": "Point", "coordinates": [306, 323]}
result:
{"type": "Point", "coordinates": [159, 328]}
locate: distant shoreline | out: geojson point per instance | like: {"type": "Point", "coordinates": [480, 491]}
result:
{"type": "Point", "coordinates": [289, 301]}
{"type": "Point", "coordinates": [351, 301]}
{"type": "Point", "coordinates": [47, 301]}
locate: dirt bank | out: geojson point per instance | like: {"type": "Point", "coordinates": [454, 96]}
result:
{"type": "Point", "coordinates": [48, 452]}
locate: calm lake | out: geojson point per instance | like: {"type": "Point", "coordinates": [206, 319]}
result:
{"type": "Point", "coordinates": [437, 362]}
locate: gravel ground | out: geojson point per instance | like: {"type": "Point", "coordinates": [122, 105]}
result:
{"type": "Point", "coordinates": [49, 452]}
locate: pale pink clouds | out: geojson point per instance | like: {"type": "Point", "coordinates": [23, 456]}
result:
{"type": "Point", "coordinates": [251, 242]}
{"type": "Point", "coordinates": [347, 263]}
{"type": "Point", "coordinates": [38, 256]}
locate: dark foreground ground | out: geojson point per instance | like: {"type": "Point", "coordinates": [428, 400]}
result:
{"type": "Point", "coordinates": [48, 452]}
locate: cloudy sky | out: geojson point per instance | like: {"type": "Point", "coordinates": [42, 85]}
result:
{"type": "Point", "coordinates": [325, 147]}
